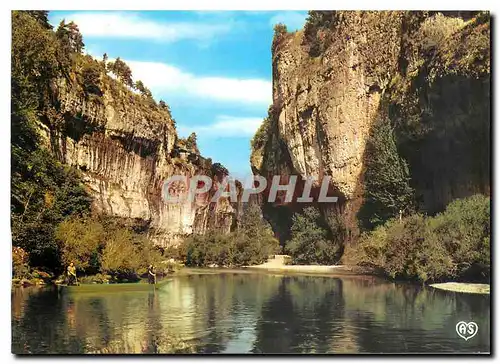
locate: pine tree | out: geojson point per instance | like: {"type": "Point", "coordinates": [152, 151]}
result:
{"type": "Point", "coordinates": [139, 86]}
{"type": "Point", "coordinates": [122, 71]}
{"type": "Point", "coordinates": [70, 36]}
{"type": "Point", "coordinates": [191, 143]}
{"type": "Point", "coordinates": [42, 16]}
{"type": "Point", "coordinates": [387, 178]}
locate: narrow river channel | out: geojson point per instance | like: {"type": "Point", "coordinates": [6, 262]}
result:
{"type": "Point", "coordinates": [251, 313]}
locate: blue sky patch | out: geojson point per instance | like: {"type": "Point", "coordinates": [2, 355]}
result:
{"type": "Point", "coordinates": [212, 67]}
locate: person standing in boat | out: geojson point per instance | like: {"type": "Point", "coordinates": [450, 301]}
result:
{"type": "Point", "coordinates": [71, 274]}
{"type": "Point", "coordinates": [151, 274]}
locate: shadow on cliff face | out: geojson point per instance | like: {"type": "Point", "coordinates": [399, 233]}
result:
{"type": "Point", "coordinates": [270, 157]}
{"type": "Point", "coordinates": [436, 111]}
{"type": "Point", "coordinates": [449, 149]}
{"type": "Point", "coordinates": [441, 131]}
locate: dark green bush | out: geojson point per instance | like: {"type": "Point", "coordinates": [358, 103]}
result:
{"type": "Point", "coordinates": [311, 239]}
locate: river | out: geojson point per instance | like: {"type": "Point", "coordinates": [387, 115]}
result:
{"type": "Point", "coordinates": [251, 313]}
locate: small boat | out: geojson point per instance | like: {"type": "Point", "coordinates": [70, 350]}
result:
{"type": "Point", "coordinates": [112, 287]}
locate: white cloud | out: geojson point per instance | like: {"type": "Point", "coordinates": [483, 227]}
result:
{"type": "Point", "coordinates": [163, 78]}
{"type": "Point", "coordinates": [292, 19]}
{"type": "Point", "coordinates": [131, 25]}
{"type": "Point", "coordinates": [224, 126]}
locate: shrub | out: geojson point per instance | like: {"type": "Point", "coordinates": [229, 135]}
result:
{"type": "Point", "coordinates": [44, 192]}
{"type": "Point", "coordinates": [454, 244]}
{"type": "Point", "coordinates": [192, 144]}
{"type": "Point", "coordinates": [252, 243]}
{"type": "Point", "coordinates": [91, 76]}
{"type": "Point", "coordinates": [464, 230]}
{"type": "Point", "coordinates": [80, 241]}
{"type": "Point", "coordinates": [317, 24]}
{"type": "Point", "coordinates": [311, 241]}
{"type": "Point", "coordinates": [434, 31]}
{"type": "Point", "coordinates": [106, 245]}
{"type": "Point", "coordinates": [261, 136]}
{"type": "Point", "coordinates": [126, 254]}
{"type": "Point", "coordinates": [42, 275]}
{"type": "Point", "coordinates": [122, 71]}
{"type": "Point", "coordinates": [411, 252]}
{"type": "Point", "coordinates": [119, 256]}
{"type": "Point", "coordinates": [20, 266]}
{"type": "Point", "coordinates": [280, 29]}
{"type": "Point", "coordinates": [139, 86]}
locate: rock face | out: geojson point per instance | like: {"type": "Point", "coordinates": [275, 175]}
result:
{"type": "Point", "coordinates": [125, 147]}
{"type": "Point", "coordinates": [333, 79]}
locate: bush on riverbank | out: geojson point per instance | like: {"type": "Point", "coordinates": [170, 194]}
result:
{"type": "Point", "coordinates": [452, 245]}
{"type": "Point", "coordinates": [80, 240]}
{"type": "Point", "coordinates": [226, 250]}
{"type": "Point", "coordinates": [252, 243]}
{"type": "Point", "coordinates": [104, 246]}
{"type": "Point", "coordinates": [311, 239]}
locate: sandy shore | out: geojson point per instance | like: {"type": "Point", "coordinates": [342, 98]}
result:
{"type": "Point", "coordinates": [278, 265]}
{"type": "Point", "coordinates": [463, 287]}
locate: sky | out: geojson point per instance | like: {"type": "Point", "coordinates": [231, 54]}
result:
{"type": "Point", "coordinates": [212, 67]}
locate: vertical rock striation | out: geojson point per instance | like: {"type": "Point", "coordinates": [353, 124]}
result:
{"type": "Point", "coordinates": [333, 79]}
{"type": "Point", "coordinates": [125, 146]}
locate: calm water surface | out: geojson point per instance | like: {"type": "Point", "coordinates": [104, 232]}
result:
{"type": "Point", "coordinates": [251, 313]}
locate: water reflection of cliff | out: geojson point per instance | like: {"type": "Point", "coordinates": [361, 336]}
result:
{"type": "Point", "coordinates": [250, 313]}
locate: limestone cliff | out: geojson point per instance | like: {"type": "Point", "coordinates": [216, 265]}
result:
{"type": "Point", "coordinates": [428, 72]}
{"type": "Point", "coordinates": [126, 146]}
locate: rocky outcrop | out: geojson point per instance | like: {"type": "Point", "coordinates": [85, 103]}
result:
{"type": "Point", "coordinates": [333, 79]}
{"type": "Point", "coordinates": [124, 144]}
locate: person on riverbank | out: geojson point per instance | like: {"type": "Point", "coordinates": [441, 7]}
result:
{"type": "Point", "coordinates": [151, 274]}
{"type": "Point", "coordinates": [72, 281]}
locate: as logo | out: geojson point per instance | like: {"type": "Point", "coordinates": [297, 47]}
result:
{"type": "Point", "coordinates": [466, 330]}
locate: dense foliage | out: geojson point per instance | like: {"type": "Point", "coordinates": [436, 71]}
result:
{"type": "Point", "coordinates": [44, 191]}
{"type": "Point", "coordinates": [50, 207]}
{"type": "Point", "coordinates": [190, 143]}
{"type": "Point", "coordinates": [139, 86]}
{"type": "Point", "coordinates": [251, 243]}
{"type": "Point", "coordinates": [105, 246]}
{"type": "Point", "coordinates": [387, 179]}
{"type": "Point", "coordinates": [454, 244]}
{"type": "Point", "coordinates": [121, 70]}
{"type": "Point", "coordinates": [311, 239]}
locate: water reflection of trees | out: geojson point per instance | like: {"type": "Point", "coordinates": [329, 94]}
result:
{"type": "Point", "coordinates": [391, 317]}
{"type": "Point", "coordinates": [219, 308]}
{"type": "Point", "coordinates": [301, 317]}
{"type": "Point", "coordinates": [257, 313]}
{"type": "Point", "coordinates": [107, 323]}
